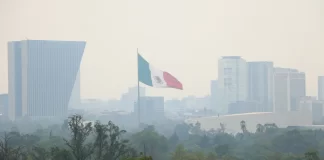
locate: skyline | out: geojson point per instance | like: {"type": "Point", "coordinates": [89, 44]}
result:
{"type": "Point", "coordinates": [170, 36]}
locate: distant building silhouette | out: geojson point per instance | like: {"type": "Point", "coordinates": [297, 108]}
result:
{"type": "Point", "coordinates": [320, 88]}
{"type": "Point", "coordinates": [4, 104]}
{"type": "Point", "coordinates": [127, 99]}
{"type": "Point", "coordinates": [244, 107]}
{"type": "Point", "coordinates": [151, 109]}
{"type": "Point", "coordinates": [215, 96]}
{"type": "Point", "coordinates": [260, 78]}
{"type": "Point", "coordinates": [315, 106]}
{"type": "Point", "coordinates": [232, 80]}
{"type": "Point", "coordinates": [42, 75]}
{"type": "Point", "coordinates": [289, 87]}
{"type": "Point", "coordinates": [75, 99]}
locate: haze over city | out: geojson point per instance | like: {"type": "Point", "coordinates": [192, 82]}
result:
{"type": "Point", "coordinates": [185, 37]}
{"type": "Point", "coordinates": [161, 80]}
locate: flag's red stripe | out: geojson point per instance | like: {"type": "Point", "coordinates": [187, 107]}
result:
{"type": "Point", "coordinates": [172, 81]}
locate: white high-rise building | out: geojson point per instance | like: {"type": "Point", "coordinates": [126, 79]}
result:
{"type": "Point", "coordinates": [320, 88]}
{"type": "Point", "coordinates": [232, 80]}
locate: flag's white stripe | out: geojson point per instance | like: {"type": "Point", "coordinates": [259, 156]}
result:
{"type": "Point", "coordinates": [157, 77]}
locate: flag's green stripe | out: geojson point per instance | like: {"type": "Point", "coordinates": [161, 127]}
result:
{"type": "Point", "coordinates": [144, 72]}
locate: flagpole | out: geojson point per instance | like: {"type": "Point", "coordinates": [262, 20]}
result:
{"type": "Point", "coordinates": [138, 93]}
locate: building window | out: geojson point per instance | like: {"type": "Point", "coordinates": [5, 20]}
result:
{"type": "Point", "coordinates": [227, 71]}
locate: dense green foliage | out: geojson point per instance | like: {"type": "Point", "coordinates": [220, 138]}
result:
{"type": "Point", "coordinates": [76, 140]}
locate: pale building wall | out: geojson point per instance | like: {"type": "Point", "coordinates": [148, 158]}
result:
{"type": "Point", "coordinates": [232, 122]}
{"type": "Point", "coordinates": [232, 80]}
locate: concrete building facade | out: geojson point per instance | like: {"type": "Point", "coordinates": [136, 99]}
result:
{"type": "Point", "coordinates": [151, 109]}
{"type": "Point", "coordinates": [128, 99]}
{"type": "Point", "coordinates": [41, 77]}
{"type": "Point", "coordinates": [232, 80]}
{"type": "Point", "coordinates": [289, 87]}
{"type": "Point", "coordinates": [315, 106]}
{"type": "Point", "coordinates": [232, 122]}
{"type": "Point", "coordinates": [260, 88]}
{"type": "Point", "coordinates": [215, 96]}
{"type": "Point", "coordinates": [244, 107]}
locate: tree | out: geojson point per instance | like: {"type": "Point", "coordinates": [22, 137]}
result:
{"type": "Point", "coordinates": [211, 156]}
{"type": "Point", "coordinates": [270, 127]}
{"type": "Point", "coordinates": [65, 125]}
{"type": "Point", "coordinates": [61, 154]}
{"type": "Point", "coordinates": [101, 139]}
{"type": "Point", "coordinates": [151, 143]}
{"type": "Point", "coordinates": [204, 142]}
{"type": "Point", "coordinates": [222, 127]}
{"type": "Point", "coordinates": [222, 150]}
{"type": "Point", "coordinates": [243, 126]}
{"type": "Point", "coordinates": [174, 139]}
{"type": "Point", "coordinates": [182, 130]}
{"type": "Point", "coordinates": [39, 154]}
{"type": "Point", "coordinates": [312, 155]}
{"type": "Point", "coordinates": [7, 152]}
{"type": "Point", "coordinates": [259, 128]}
{"type": "Point", "coordinates": [109, 144]}
{"type": "Point", "coordinates": [139, 158]}
{"type": "Point", "coordinates": [79, 134]}
{"type": "Point", "coordinates": [196, 129]}
{"type": "Point", "coordinates": [179, 153]}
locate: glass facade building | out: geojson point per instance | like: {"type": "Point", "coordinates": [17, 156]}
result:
{"type": "Point", "coordinates": [42, 75]}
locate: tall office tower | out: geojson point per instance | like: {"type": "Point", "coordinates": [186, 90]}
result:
{"type": "Point", "coordinates": [215, 96]}
{"type": "Point", "coordinates": [41, 77]}
{"type": "Point", "coordinates": [260, 78]}
{"type": "Point", "coordinates": [4, 105]}
{"type": "Point", "coordinates": [297, 88]}
{"type": "Point", "coordinates": [320, 88]}
{"type": "Point", "coordinates": [289, 88]}
{"type": "Point", "coordinates": [151, 110]}
{"type": "Point", "coordinates": [75, 100]}
{"type": "Point", "coordinates": [232, 80]}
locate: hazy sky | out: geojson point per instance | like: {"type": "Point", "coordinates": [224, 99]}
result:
{"type": "Point", "coordinates": [184, 37]}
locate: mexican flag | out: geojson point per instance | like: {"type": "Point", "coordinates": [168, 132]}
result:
{"type": "Point", "coordinates": [154, 77]}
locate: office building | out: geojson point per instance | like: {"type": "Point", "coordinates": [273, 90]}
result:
{"type": "Point", "coordinates": [260, 88]}
{"type": "Point", "coordinates": [297, 88]}
{"type": "Point", "coordinates": [320, 88]}
{"type": "Point", "coordinates": [215, 96]}
{"type": "Point", "coordinates": [42, 75]}
{"type": "Point", "coordinates": [174, 106]}
{"type": "Point", "coordinates": [196, 103]}
{"type": "Point", "coordinates": [128, 99]}
{"type": "Point", "coordinates": [232, 80]}
{"type": "Point", "coordinates": [151, 110]}
{"type": "Point", "coordinates": [75, 100]}
{"type": "Point", "coordinates": [289, 87]}
{"type": "Point", "coordinates": [313, 105]}
{"type": "Point", "coordinates": [4, 105]}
